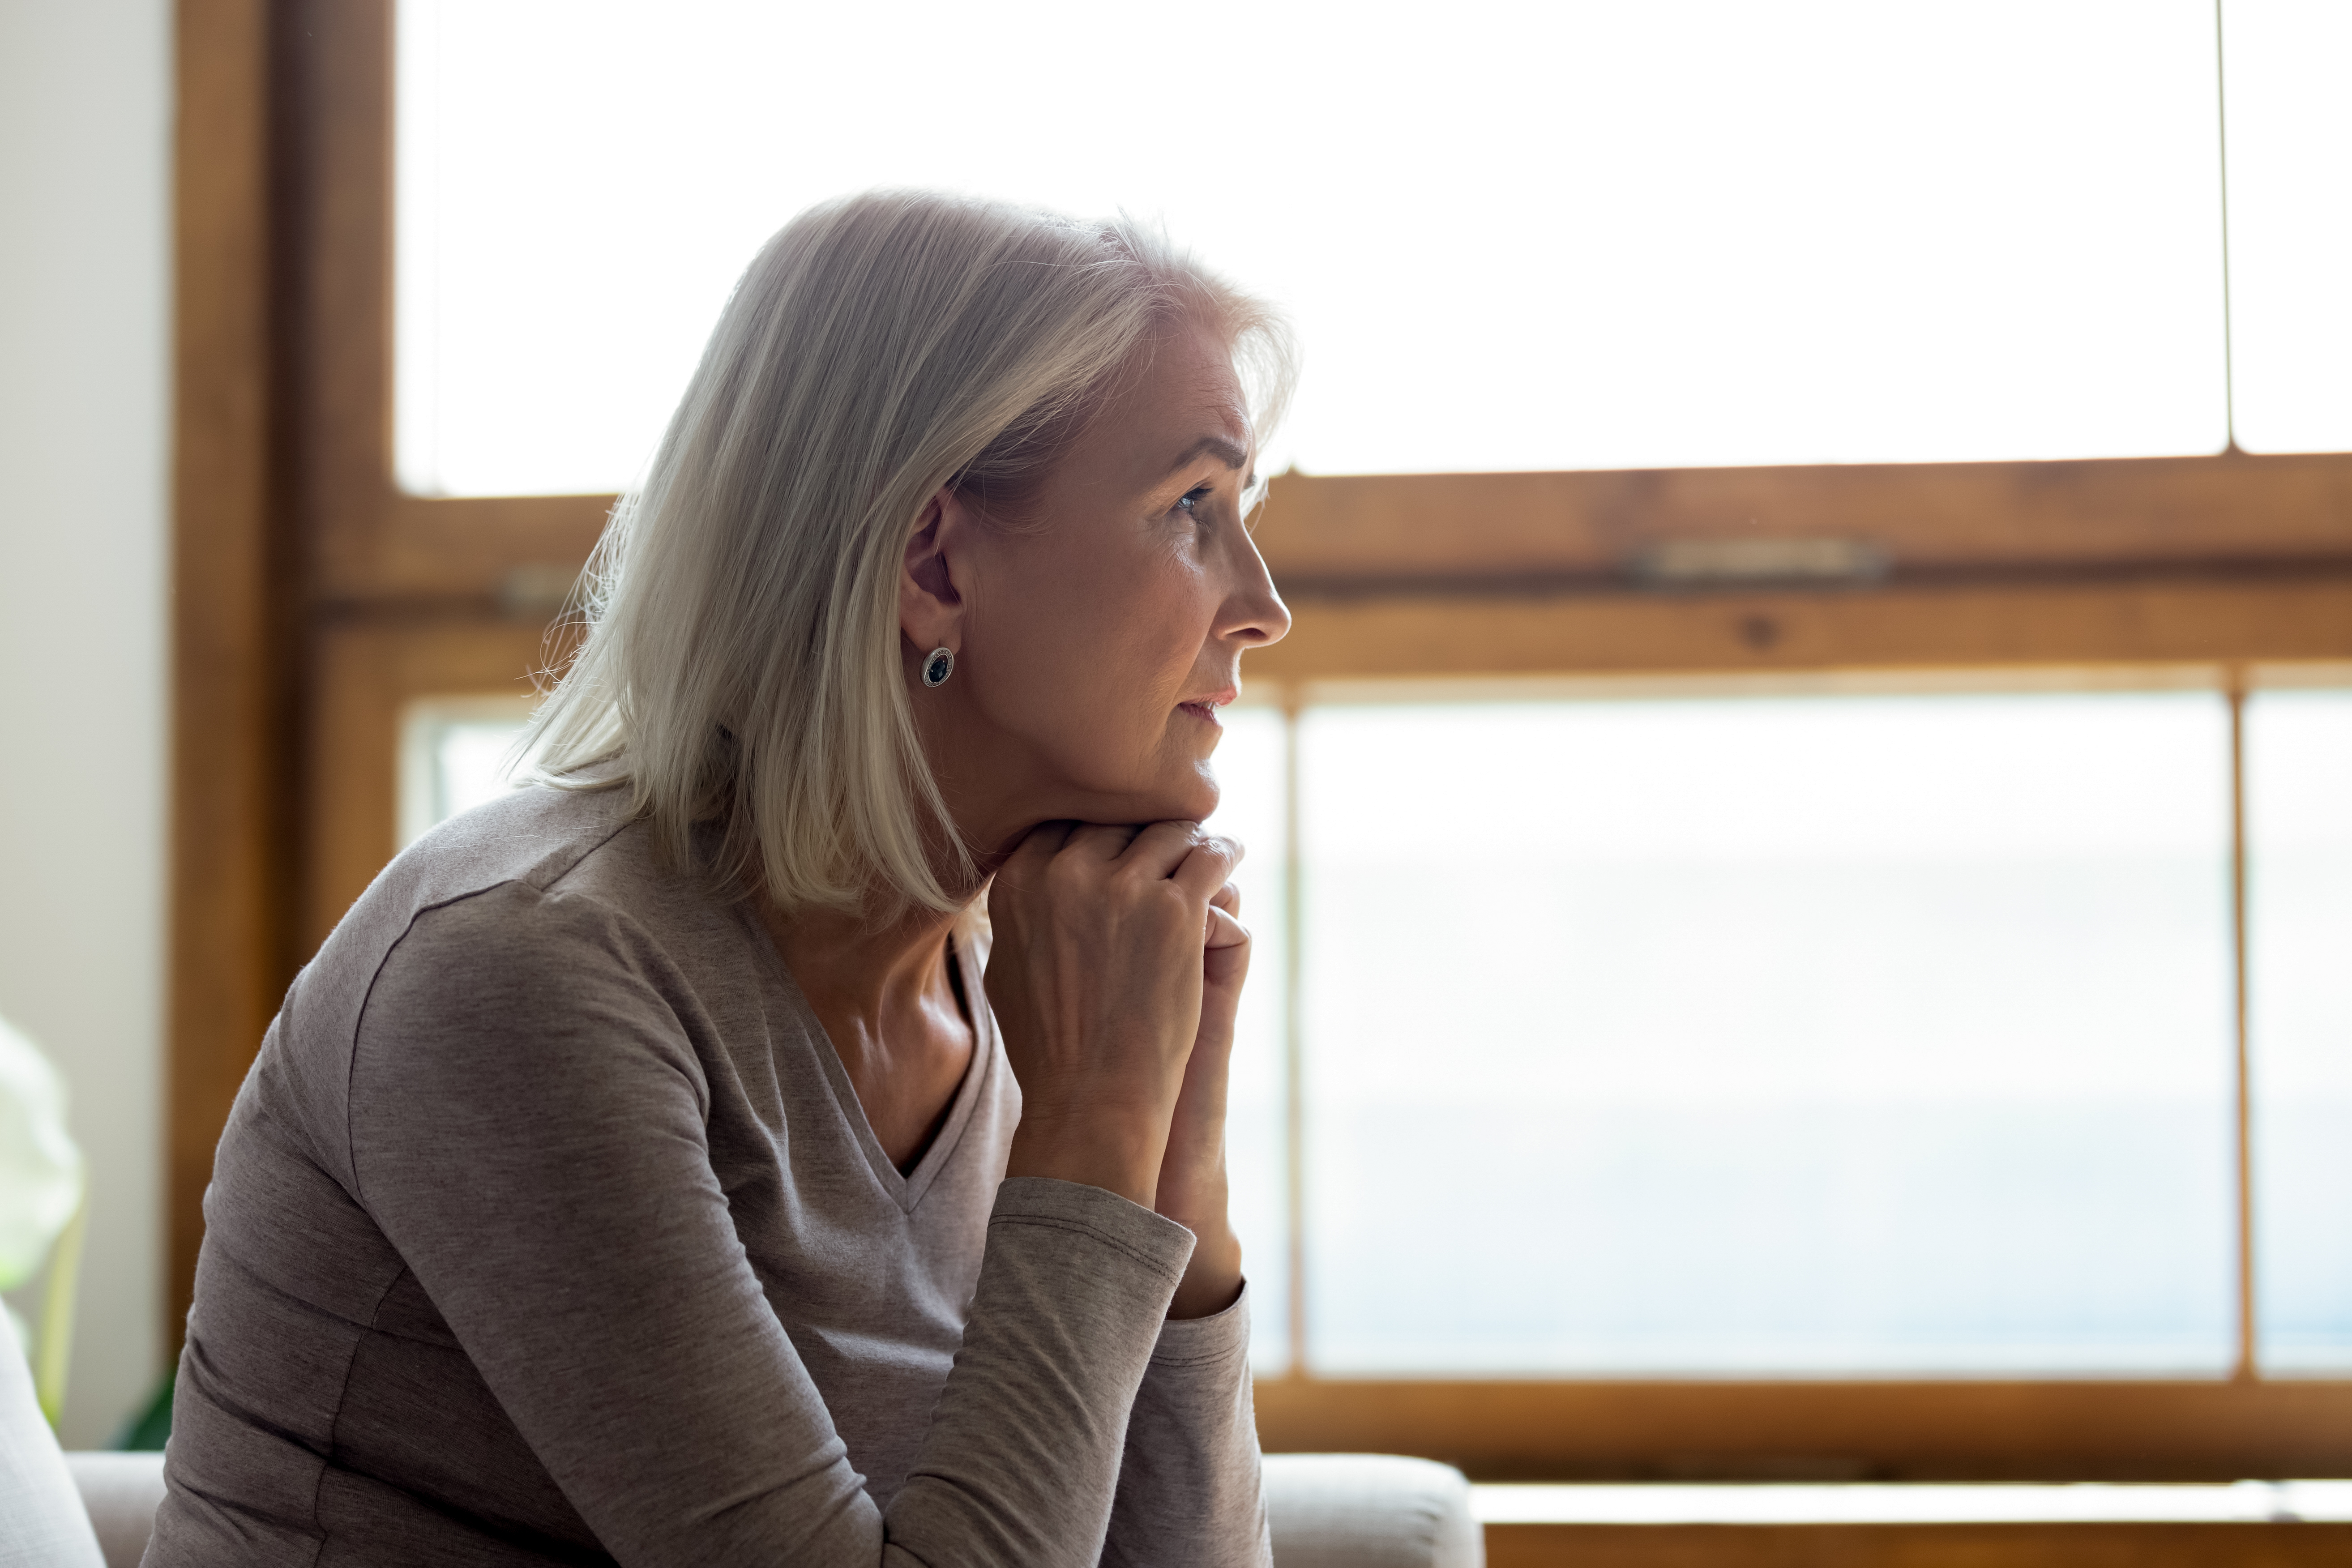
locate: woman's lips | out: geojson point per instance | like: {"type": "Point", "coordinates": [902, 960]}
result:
{"type": "Point", "coordinates": [1205, 711]}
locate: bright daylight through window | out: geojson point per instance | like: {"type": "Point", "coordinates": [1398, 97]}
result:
{"type": "Point", "coordinates": [1635, 235]}
{"type": "Point", "coordinates": [1797, 1034]}
{"type": "Point", "coordinates": [2299, 825]}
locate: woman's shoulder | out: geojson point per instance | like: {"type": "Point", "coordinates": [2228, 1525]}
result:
{"type": "Point", "coordinates": [536, 883]}
{"type": "Point", "coordinates": [526, 898]}
{"type": "Point", "coordinates": [563, 849]}
{"type": "Point", "coordinates": [536, 835]}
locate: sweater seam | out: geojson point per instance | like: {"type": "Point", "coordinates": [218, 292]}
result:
{"type": "Point", "coordinates": [359, 1015]}
{"type": "Point", "coordinates": [344, 1387]}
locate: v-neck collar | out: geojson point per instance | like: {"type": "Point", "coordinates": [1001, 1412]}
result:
{"type": "Point", "coordinates": [905, 1188]}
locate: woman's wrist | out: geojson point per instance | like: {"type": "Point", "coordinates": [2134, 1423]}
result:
{"type": "Point", "coordinates": [1212, 1280]}
{"type": "Point", "coordinates": [1193, 1193]}
{"type": "Point", "coordinates": [1093, 1150]}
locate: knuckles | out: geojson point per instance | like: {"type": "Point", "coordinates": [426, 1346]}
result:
{"type": "Point", "coordinates": [1077, 891]}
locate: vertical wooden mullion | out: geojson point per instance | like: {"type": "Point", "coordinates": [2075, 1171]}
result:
{"type": "Point", "coordinates": [232, 702]}
{"type": "Point", "coordinates": [2248, 1364]}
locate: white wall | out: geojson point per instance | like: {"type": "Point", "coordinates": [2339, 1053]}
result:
{"type": "Point", "coordinates": [84, 276]}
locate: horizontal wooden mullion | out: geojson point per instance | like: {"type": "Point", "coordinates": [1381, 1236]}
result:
{"type": "Point", "coordinates": [2115, 1545]}
{"type": "Point", "coordinates": [2167, 621]}
{"type": "Point", "coordinates": [1825, 1431]}
{"type": "Point", "coordinates": [465, 548]}
{"type": "Point", "coordinates": [1324, 533]}
{"type": "Point", "coordinates": [1922, 517]}
{"type": "Point", "coordinates": [367, 675]}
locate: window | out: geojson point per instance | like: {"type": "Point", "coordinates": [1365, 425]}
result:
{"type": "Point", "coordinates": [1770, 1034]}
{"type": "Point", "coordinates": [453, 753]}
{"type": "Point", "coordinates": [1950, 282]}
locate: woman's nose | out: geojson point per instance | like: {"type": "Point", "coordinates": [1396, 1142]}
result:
{"type": "Point", "coordinates": [1254, 613]}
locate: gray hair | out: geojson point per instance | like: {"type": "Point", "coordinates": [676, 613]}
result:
{"type": "Point", "coordinates": [740, 665]}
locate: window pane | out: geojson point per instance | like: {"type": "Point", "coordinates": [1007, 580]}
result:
{"type": "Point", "coordinates": [1250, 766]}
{"type": "Point", "coordinates": [2291, 222]}
{"type": "Point", "coordinates": [1515, 236]}
{"type": "Point", "coordinates": [452, 756]}
{"type": "Point", "coordinates": [1776, 1035]}
{"type": "Point", "coordinates": [2299, 882]}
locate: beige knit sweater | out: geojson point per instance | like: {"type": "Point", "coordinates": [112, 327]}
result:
{"type": "Point", "coordinates": [546, 1227]}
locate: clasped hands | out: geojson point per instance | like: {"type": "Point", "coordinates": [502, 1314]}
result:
{"type": "Point", "coordinates": [1116, 973]}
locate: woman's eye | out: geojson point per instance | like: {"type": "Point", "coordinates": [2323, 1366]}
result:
{"type": "Point", "coordinates": [1191, 500]}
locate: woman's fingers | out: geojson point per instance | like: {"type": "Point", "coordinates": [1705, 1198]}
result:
{"type": "Point", "coordinates": [1224, 927]}
{"type": "Point", "coordinates": [1199, 863]}
{"type": "Point", "coordinates": [1042, 844]}
{"type": "Point", "coordinates": [1155, 851]}
{"type": "Point", "coordinates": [1207, 866]}
{"type": "Point", "coordinates": [1099, 840]}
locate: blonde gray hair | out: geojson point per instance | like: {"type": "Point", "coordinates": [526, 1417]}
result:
{"type": "Point", "coordinates": [741, 665]}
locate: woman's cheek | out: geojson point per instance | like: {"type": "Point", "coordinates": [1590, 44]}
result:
{"type": "Point", "coordinates": [1105, 719]}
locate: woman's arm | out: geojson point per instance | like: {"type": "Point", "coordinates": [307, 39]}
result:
{"type": "Point", "coordinates": [1192, 1189]}
{"type": "Point", "coordinates": [1187, 1482]}
{"type": "Point", "coordinates": [1189, 1485]}
{"type": "Point", "coordinates": [1188, 1488]}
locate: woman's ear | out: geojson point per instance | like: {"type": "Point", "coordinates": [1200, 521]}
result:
{"type": "Point", "coordinates": [930, 598]}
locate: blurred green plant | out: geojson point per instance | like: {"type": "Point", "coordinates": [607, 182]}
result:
{"type": "Point", "coordinates": [152, 1428]}
{"type": "Point", "coordinates": [41, 1205]}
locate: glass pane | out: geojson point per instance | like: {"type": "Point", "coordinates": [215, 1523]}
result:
{"type": "Point", "coordinates": [1771, 1035]}
{"type": "Point", "coordinates": [2291, 222]}
{"type": "Point", "coordinates": [1250, 766]}
{"type": "Point", "coordinates": [2299, 925]}
{"type": "Point", "coordinates": [1515, 236]}
{"type": "Point", "coordinates": [453, 755]}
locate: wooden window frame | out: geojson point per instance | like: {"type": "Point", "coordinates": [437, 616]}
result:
{"type": "Point", "coordinates": [314, 600]}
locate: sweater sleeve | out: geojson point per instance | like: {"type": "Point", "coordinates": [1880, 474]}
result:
{"type": "Point", "coordinates": [526, 1127]}
{"type": "Point", "coordinates": [1189, 1490]}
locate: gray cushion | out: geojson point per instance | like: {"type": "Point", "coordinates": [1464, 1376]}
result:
{"type": "Point", "coordinates": [1326, 1510]}
{"type": "Point", "coordinates": [121, 1492]}
{"type": "Point", "coordinates": [1369, 1510]}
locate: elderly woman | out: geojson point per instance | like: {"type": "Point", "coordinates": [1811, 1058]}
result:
{"type": "Point", "coordinates": [658, 1167]}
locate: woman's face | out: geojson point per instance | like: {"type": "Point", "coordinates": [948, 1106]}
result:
{"type": "Point", "coordinates": [1096, 636]}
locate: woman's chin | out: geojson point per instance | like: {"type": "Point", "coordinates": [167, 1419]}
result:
{"type": "Point", "coordinates": [1174, 806]}
{"type": "Point", "coordinates": [1178, 789]}
{"type": "Point", "coordinates": [1192, 794]}
{"type": "Point", "coordinates": [1188, 796]}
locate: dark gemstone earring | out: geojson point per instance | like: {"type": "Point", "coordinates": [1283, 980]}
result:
{"type": "Point", "coordinates": [938, 666]}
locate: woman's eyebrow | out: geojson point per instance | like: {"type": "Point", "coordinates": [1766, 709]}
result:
{"type": "Point", "coordinates": [1233, 454]}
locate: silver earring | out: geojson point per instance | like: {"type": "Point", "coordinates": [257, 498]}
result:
{"type": "Point", "coordinates": [938, 666]}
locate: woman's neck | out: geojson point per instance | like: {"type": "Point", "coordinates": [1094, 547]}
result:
{"type": "Point", "coordinates": [883, 995]}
